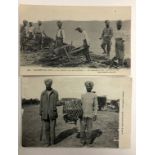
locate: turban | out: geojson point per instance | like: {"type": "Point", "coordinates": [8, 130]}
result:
{"type": "Point", "coordinates": [78, 28]}
{"type": "Point", "coordinates": [89, 83]}
{"type": "Point", "coordinates": [59, 22]}
{"type": "Point", "coordinates": [39, 22]}
{"type": "Point", "coordinates": [107, 21]}
{"type": "Point", "coordinates": [25, 21]}
{"type": "Point", "coordinates": [119, 22]}
{"type": "Point", "coordinates": [48, 81]}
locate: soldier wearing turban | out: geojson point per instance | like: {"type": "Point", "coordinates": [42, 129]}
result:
{"type": "Point", "coordinates": [39, 34]}
{"type": "Point", "coordinates": [106, 36]}
{"type": "Point", "coordinates": [23, 35]}
{"type": "Point", "coordinates": [48, 112]}
{"type": "Point", "coordinates": [89, 107]}
{"type": "Point", "coordinates": [60, 35]}
{"type": "Point", "coordinates": [119, 43]}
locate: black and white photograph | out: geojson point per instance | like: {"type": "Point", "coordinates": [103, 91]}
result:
{"type": "Point", "coordinates": [75, 111]}
{"type": "Point", "coordinates": [75, 37]}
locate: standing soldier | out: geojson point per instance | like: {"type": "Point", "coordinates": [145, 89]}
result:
{"type": "Point", "coordinates": [85, 43]}
{"type": "Point", "coordinates": [30, 31]}
{"type": "Point", "coordinates": [89, 107]}
{"type": "Point", "coordinates": [39, 33]}
{"type": "Point", "coordinates": [60, 35]}
{"type": "Point", "coordinates": [119, 43]}
{"type": "Point", "coordinates": [106, 37]}
{"type": "Point", "coordinates": [48, 113]}
{"type": "Point", "coordinates": [23, 34]}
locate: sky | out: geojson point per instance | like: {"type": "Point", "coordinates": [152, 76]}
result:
{"type": "Point", "coordinates": [73, 86]}
{"type": "Point", "coordinates": [46, 13]}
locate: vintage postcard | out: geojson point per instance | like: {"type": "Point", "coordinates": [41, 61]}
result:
{"type": "Point", "coordinates": [75, 40]}
{"type": "Point", "coordinates": [75, 112]}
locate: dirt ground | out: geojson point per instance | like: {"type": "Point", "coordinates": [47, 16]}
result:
{"type": "Point", "coordinates": [105, 130]}
{"type": "Point", "coordinates": [44, 59]}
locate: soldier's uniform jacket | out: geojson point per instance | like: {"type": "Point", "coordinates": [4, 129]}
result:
{"type": "Point", "coordinates": [60, 34]}
{"type": "Point", "coordinates": [89, 104]}
{"type": "Point", "coordinates": [85, 38]}
{"type": "Point", "coordinates": [23, 31]}
{"type": "Point", "coordinates": [48, 102]}
{"type": "Point", "coordinates": [39, 29]}
{"type": "Point", "coordinates": [107, 34]}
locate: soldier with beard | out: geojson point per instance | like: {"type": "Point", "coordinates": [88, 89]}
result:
{"type": "Point", "coordinates": [48, 112]}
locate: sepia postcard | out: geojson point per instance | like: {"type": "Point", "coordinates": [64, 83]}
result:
{"type": "Point", "coordinates": [74, 40]}
{"type": "Point", "coordinates": [75, 112]}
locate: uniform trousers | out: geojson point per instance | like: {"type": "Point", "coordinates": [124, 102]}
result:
{"type": "Point", "coordinates": [48, 126]}
{"type": "Point", "coordinates": [106, 46]}
{"type": "Point", "coordinates": [86, 124]}
{"type": "Point", "coordinates": [119, 49]}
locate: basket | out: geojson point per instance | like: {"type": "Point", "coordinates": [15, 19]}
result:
{"type": "Point", "coordinates": [72, 110]}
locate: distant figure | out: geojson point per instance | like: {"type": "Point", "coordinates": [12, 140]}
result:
{"type": "Point", "coordinates": [30, 31]}
{"type": "Point", "coordinates": [60, 35]}
{"type": "Point", "coordinates": [39, 33]}
{"type": "Point", "coordinates": [119, 43]}
{"type": "Point", "coordinates": [48, 113]}
{"type": "Point", "coordinates": [23, 34]}
{"type": "Point", "coordinates": [89, 107]}
{"type": "Point", "coordinates": [85, 43]}
{"type": "Point", "coordinates": [106, 37]}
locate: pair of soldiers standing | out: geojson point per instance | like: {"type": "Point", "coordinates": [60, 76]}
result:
{"type": "Point", "coordinates": [107, 35]}
{"type": "Point", "coordinates": [48, 112]}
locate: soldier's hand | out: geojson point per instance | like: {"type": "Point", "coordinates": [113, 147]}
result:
{"type": "Point", "coordinates": [95, 118]}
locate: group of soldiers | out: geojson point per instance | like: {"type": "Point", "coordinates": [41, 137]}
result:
{"type": "Point", "coordinates": [28, 32]}
{"type": "Point", "coordinates": [106, 38]}
{"type": "Point", "coordinates": [48, 112]}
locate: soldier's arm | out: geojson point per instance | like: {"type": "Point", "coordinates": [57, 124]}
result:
{"type": "Point", "coordinates": [41, 105]}
{"type": "Point", "coordinates": [95, 105]}
{"type": "Point", "coordinates": [57, 99]}
{"type": "Point", "coordinates": [63, 34]}
{"type": "Point", "coordinates": [81, 99]}
{"type": "Point", "coordinates": [102, 34]}
{"type": "Point", "coordinates": [43, 31]}
{"type": "Point", "coordinates": [85, 43]}
{"type": "Point", "coordinates": [44, 34]}
{"type": "Point", "coordinates": [111, 34]}
{"type": "Point", "coordinates": [86, 40]}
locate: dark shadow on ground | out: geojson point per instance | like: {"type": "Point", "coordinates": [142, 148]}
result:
{"type": "Point", "coordinates": [65, 134]}
{"type": "Point", "coordinates": [95, 133]}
